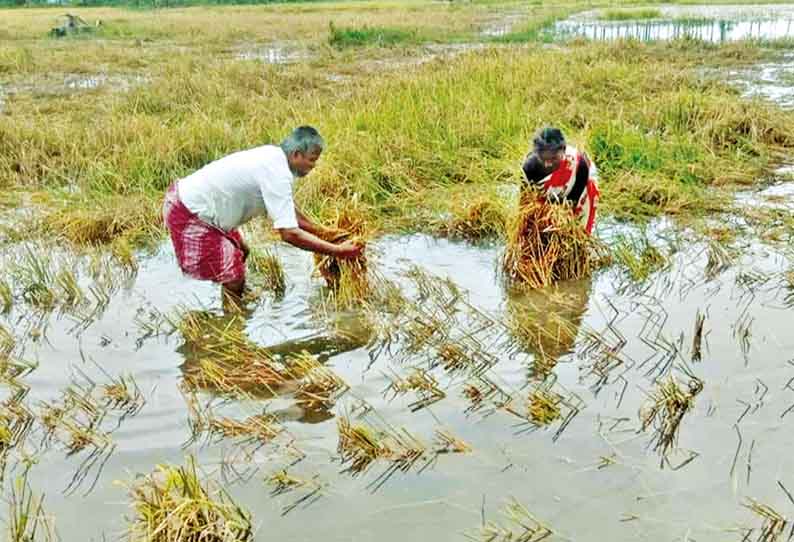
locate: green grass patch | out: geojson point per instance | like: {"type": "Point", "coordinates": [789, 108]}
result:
{"type": "Point", "coordinates": [342, 38]}
{"type": "Point", "coordinates": [630, 14]}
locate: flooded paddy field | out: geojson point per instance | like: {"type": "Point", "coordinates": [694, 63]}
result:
{"type": "Point", "coordinates": [603, 347]}
{"type": "Point", "coordinates": [649, 401]}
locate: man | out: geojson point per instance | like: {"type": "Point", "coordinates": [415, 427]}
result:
{"type": "Point", "coordinates": [562, 174]}
{"type": "Point", "coordinates": [203, 210]}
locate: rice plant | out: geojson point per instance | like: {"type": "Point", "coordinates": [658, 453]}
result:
{"type": "Point", "coordinates": [172, 504]}
{"type": "Point", "coordinates": [268, 266]}
{"type": "Point", "coordinates": [27, 521]}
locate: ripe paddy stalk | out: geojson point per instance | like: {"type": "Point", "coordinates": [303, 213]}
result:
{"type": "Point", "coordinates": [773, 526]}
{"type": "Point", "coordinates": [172, 504]}
{"type": "Point", "coordinates": [6, 297]}
{"type": "Point", "coordinates": [268, 265]}
{"type": "Point", "coordinates": [27, 521]}
{"type": "Point", "coordinates": [348, 279]}
{"type": "Point", "coordinates": [639, 257]}
{"type": "Point", "coordinates": [546, 244]}
{"type": "Point", "coordinates": [359, 445]}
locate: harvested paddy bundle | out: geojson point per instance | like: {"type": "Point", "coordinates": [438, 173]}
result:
{"type": "Point", "coordinates": [546, 244]}
{"type": "Point", "coordinates": [348, 279]}
{"type": "Point", "coordinates": [172, 505]}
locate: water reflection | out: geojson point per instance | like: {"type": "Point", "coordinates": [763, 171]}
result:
{"type": "Point", "coordinates": [546, 321]}
{"type": "Point", "coordinates": [711, 30]}
{"type": "Point", "coordinates": [217, 344]}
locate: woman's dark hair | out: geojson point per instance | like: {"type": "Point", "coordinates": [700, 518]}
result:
{"type": "Point", "coordinates": [549, 139]}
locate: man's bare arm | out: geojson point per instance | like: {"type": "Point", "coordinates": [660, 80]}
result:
{"type": "Point", "coordinates": [306, 240]}
{"type": "Point", "coordinates": [307, 225]}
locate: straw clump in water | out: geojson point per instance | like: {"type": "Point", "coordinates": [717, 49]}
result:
{"type": "Point", "coordinates": [546, 244]}
{"type": "Point", "coordinates": [172, 505]}
{"type": "Point", "coordinates": [665, 411]}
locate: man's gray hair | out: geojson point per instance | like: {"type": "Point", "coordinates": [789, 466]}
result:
{"type": "Point", "coordinates": [303, 139]}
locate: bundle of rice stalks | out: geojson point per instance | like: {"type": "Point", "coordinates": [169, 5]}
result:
{"type": "Point", "coordinates": [546, 244]}
{"type": "Point", "coordinates": [527, 527]}
{"type": "Point", "coordinates": [172, 505]}
{"type": "Point", "coordinates": [348, 279]}
{"type": "Point", "coordinates": [423, 383]}
{"type": "Point", "coordinates": [15, 422]}
{"type": "Point", "coordinates": [360, 446]}
{"type": "Point", "coordinates": [268, 266]}
{"type": "Point", "coordinates": [773, 526]}
{"type": "Point", "coordinates": [665, 410]}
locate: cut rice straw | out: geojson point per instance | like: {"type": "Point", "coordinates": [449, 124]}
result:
{"type": "Point", "coordinates": [546, 244]}
{"type": "Point", "coordinates": [348, 279]}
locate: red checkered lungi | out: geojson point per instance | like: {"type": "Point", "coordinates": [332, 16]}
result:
{"type": "Point", "coordinates": [203, 251]}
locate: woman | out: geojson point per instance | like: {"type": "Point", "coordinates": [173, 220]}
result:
{"type": "Point", "coordinates": [562, 174]}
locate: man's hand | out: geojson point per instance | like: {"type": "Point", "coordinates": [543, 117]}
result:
{"type": "Point", "coordinates": [348, 250]}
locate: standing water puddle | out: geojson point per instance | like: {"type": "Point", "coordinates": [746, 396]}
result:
{"type": "Point", "coordinates": [599, 472]}
{"type": "Point", "coordinates": [708, 23]}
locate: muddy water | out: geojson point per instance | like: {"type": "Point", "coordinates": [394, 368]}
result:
{"type": "Point", "coordinates": [560, 482]}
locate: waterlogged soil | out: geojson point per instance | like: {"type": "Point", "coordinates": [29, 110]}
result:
{"type": "Point", "coordinates": [708, 23]}
{"type": "Point", "coordinates": [600, 480]}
